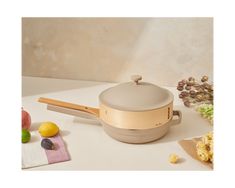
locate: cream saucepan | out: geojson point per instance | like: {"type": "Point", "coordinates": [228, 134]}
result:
{"type": "Point", "coordinates": [132, 112]}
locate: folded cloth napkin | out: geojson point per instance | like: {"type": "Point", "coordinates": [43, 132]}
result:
{"type": "Point", "coordinates": [34, 155]}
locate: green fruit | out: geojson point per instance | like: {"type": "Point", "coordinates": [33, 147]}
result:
{"type": "Point", "coordinates": [25, 136]}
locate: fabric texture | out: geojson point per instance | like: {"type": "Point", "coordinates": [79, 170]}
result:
{"type": "Point", "coordinates": [60, 153]}
{"type": "Point", "coordinates": [34, 155]}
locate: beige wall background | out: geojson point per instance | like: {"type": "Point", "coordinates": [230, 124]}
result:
{"type": "Point", "coordinates": [162, 50]}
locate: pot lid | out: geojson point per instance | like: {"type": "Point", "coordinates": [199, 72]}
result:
{"type": "Point", "coordinates": [136, 96]}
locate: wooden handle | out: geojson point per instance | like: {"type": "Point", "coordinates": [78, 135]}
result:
{"type": "Point", "coordinates": [91, 110]}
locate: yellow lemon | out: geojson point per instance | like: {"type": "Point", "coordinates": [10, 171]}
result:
{"type": "Point", "coordinates": [48, 129]}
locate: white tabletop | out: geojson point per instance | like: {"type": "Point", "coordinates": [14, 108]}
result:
{"type": "Point", "coordinates": [88, 145]}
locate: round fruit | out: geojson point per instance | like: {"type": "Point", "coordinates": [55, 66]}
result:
{"type": "Point", "coordinates": [48, 129]}
{"type": "Point", "coordinates": [26, 120]}
{"type": "Point", "coordinates": [47, 144]}
{"type": "Point", "coordinates": [25, 136]}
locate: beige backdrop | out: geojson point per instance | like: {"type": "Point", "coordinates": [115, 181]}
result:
{"type": "Point", "coordinates": [162, 50]}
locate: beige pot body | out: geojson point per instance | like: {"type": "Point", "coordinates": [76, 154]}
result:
{"type": "Point", "coordinates": [137, 112]}
{"type": "Point", "coordinates": [138, 127]}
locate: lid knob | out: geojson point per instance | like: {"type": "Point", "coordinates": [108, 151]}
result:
{"type": "Point", "coordinates": [136, 78]}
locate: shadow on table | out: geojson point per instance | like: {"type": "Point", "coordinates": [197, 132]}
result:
{"type": "Point", "coordinates": [34, 126]}
{"type": "Point", "coordinates": [86, 121]}
{"type": "Point", "coordinates": [64, 133]}
{"type": "Point", "coordinates": [34, 138]}
{"type": "Point", "coordinates": [192, 125]}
